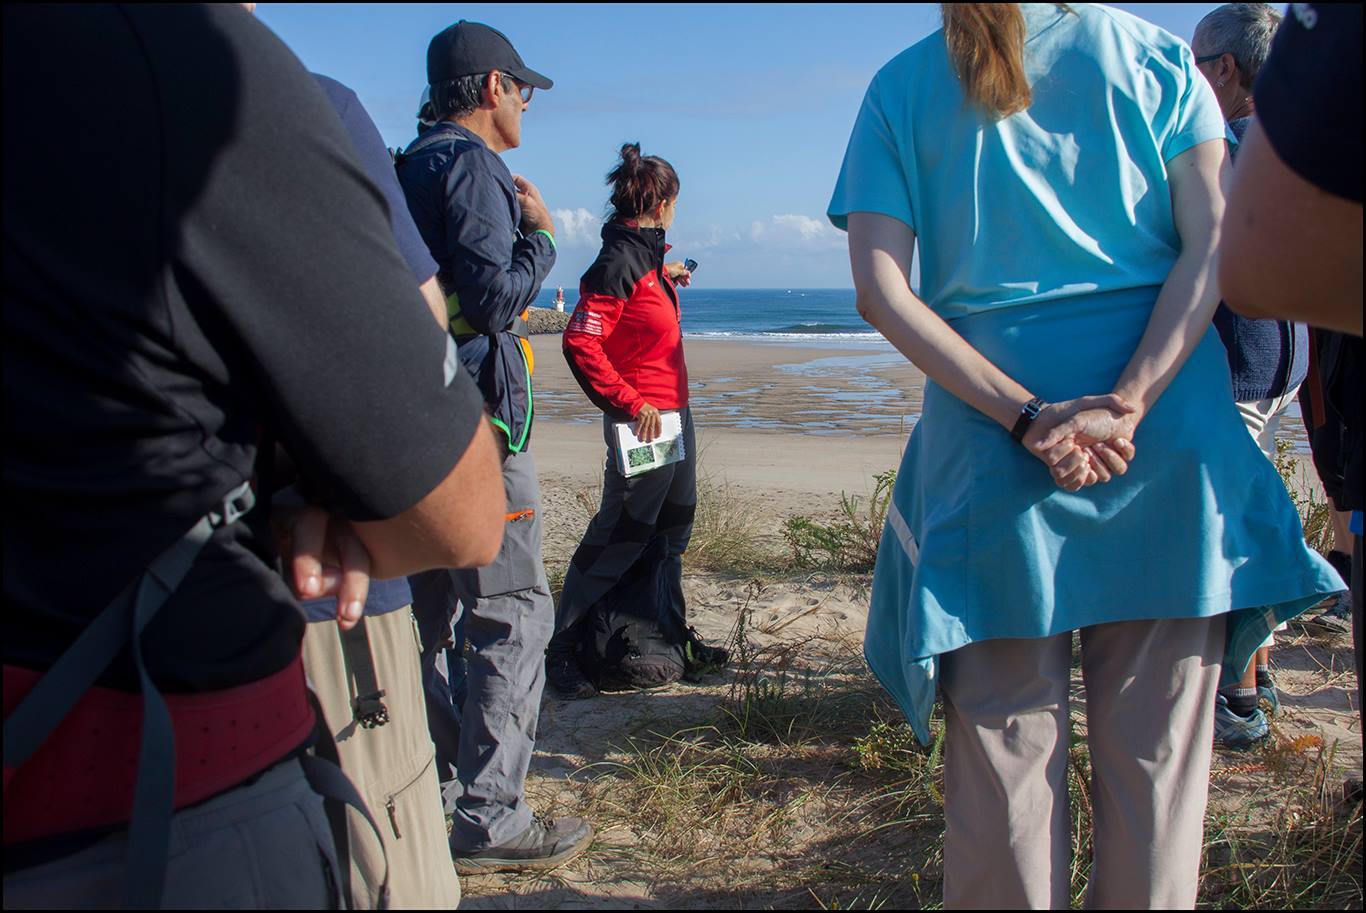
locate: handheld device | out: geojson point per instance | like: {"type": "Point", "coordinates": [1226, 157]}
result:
{"type": "Point", "coordinates": [690, 265]}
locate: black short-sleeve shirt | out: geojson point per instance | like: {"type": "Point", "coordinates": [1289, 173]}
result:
{"type": "Point", "coordinates": [193, 262]}
{"type": "Point", "coordinates": [1309, 95]}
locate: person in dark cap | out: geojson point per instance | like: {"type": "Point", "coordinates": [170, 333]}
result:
{"type": "Point", "coordinates": [494, 243]}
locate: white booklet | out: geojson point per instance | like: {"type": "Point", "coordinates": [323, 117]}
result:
{"type": "Point", "coordinates": [634, 456]}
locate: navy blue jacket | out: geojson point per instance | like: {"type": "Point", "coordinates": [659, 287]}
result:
{"type": "Point", "coordinates": [1266, 358]}
{"type": "Point", "coordinates": [462, 198]}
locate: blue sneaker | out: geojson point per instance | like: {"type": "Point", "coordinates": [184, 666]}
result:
{"type": "Point", "coordinates": [1266, 695]}
{"type": "Point", "coordinates": [1237, 733]}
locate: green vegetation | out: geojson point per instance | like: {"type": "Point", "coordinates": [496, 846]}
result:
{"type": "Point", "coordinates": [849, 543]}
{"type": "Point", "coordinates": [727, 534]}
{"type": "Point", "coordinates": [805, 790]}
{"type": "Point", "coordinates": [1315, 512]}
{"type": "Point", "coordinates": [800, 786]}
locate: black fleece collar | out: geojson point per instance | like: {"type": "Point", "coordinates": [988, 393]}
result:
{"type": "Point", "coordinates": [649, 240]}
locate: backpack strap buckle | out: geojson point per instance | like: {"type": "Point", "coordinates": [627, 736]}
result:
{"type": "Point", "coordinates": [234, 506]}
{"type": "Point", "coordinates": [369, 710]}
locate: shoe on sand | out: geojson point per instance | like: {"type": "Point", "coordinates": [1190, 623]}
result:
{"type": "Point", "coordinates": [1335, 619]}
{"type": "Point", "coordinates": [1267, 697]}
{"type": "Point", "coordinates": [1237, 733]}
{"type": "Point", "coordinates": [566, 678]}
{"type": "Point", "coordinates": [548, 842]}
{"type": "Point", "coordinates": [698, 658]}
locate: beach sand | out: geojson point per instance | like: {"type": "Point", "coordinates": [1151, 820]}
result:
{"type": "Point", "coordinates": [784, 431]}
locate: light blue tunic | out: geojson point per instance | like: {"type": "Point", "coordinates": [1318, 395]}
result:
{"type": "Point", "coordinates": [1065, 198]}
{"type": "Point", "coordinates": [1045, 238]}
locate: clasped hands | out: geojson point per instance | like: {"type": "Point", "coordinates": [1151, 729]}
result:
{"type": "Point", "coordinates": [1085, 440]}
{"type": "Point", "coordinates": [323, 556]}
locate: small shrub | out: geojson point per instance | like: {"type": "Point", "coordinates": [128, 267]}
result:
{"type": "Point", "coordinates": [848, 544]}
{"type": "Point", "coordinates": [1316, 514]}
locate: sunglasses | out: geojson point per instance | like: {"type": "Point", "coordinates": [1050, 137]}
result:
{"type": "Point", "coordinates": [523, 89]}
{"type": "Point", "coordinates": [1208, 57]}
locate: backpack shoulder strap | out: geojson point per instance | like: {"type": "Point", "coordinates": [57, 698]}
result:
{"type": "Point", "coordinates": [422, 144]}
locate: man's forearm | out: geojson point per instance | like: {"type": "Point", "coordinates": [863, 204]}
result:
{"type": "Point", "coordinates": [493, 304]}
{"type": "Point", "coordinates": [436, 302]}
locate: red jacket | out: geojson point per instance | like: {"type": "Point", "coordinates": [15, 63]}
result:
{"type": "Point", "coordinates": [624, 342]}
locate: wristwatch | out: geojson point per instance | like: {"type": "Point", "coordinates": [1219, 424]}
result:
{"type": "Point", "coordinates": [1028, 412]}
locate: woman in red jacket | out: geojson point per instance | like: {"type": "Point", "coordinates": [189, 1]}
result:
{"type": "Point", "coordinates": [624, 344]}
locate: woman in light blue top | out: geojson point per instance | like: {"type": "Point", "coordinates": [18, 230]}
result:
{"type": "Point", "coordinates": [1079, 464]}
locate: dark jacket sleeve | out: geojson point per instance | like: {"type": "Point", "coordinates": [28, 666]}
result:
{"type": "Point", "coordinates": [498, 272]}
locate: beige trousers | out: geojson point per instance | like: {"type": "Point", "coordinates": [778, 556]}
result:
{"type": "Point", "coordinates": [392, 766]}
{"type": "Point", "coordinates": [1149, 715]}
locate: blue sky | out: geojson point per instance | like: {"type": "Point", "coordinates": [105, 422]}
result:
{"type": "Point", "coordinates": [751, 103]}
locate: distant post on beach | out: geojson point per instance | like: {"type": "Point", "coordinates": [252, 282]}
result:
{"type": "Point", "coordinates": [559, 298]}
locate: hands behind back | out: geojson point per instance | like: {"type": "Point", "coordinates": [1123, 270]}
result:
{"type": "Point", "coordinates": [1085, 440]}
{"type": "Point", "coordinates": [323, 557]}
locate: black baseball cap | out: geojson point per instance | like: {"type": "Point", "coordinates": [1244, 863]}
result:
{"type": "Point", "coordinates": [470, 48]}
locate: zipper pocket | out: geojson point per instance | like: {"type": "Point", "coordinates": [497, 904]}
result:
{"type": "Point", "coordinates": [391, 801]}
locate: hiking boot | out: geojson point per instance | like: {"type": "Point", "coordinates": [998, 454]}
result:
{"type": "Point", "coordinates": [1237, 733]}
{"type": "Point", "coordinates": [544, 845]}
{"type": "Point", "coordinates": [699, 659]}
{"type": "Point", "coordinates": [564, 675]}
{"type": "Point", "coordinates": [1335, 619]}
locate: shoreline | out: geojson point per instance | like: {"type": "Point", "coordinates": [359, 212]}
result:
{"type": "Point", "coordinates": [783, 420]}
{"type": "Point", "coordinates": [805, 390]}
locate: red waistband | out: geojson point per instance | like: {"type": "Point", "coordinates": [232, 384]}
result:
{"type": "Point", "coordinates": [83, 775]}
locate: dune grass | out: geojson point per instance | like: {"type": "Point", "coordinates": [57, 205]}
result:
{"type": "Point", "coordinates": [804, 789]}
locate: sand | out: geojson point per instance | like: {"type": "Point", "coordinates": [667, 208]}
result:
{"type": "Point", "coordinates": [788, 429]}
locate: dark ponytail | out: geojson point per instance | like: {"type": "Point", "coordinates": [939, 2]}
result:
{"type": "Point", "coordinates": [640, 183]}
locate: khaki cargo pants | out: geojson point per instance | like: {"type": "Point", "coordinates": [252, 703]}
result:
{"type": "Point", "coordinates": [392, 765]}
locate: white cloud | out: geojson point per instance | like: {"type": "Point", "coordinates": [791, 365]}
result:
{"type": "Point", "coordinates": [576, 227]}
{"type": "Point", "coordinates": [792, 228]}
{"type": "Point", "coordinates": [713, 237]}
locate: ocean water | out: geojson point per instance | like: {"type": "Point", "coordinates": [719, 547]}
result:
{"type": "Point", "coordinates": [774, 315]}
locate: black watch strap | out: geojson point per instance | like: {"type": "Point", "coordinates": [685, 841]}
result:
{"type": "Point", "coordinates": [1028, 412]}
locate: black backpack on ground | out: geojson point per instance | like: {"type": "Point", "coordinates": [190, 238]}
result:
{"type": "Point", "coordinates": [636, 634]}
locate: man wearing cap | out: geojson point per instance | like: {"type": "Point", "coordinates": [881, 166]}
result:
{"type": "Point", "coordinates": [494, 243]}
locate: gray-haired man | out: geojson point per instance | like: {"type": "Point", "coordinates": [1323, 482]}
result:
{"type": "Point", "coordinates": [493, 240]}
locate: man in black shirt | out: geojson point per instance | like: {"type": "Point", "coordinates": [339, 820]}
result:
{"type": "Point", "coordinates": [186, 280]}
{"type": "Point", "coordinates": [1292, 233]}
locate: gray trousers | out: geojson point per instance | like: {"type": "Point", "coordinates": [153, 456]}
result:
{"type": "Point", "coordinates": [265, 845]}
{"type": "Point", "coordinates": [1150, 728]}
{"type": "Point", "coordinates": [507, 615]}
